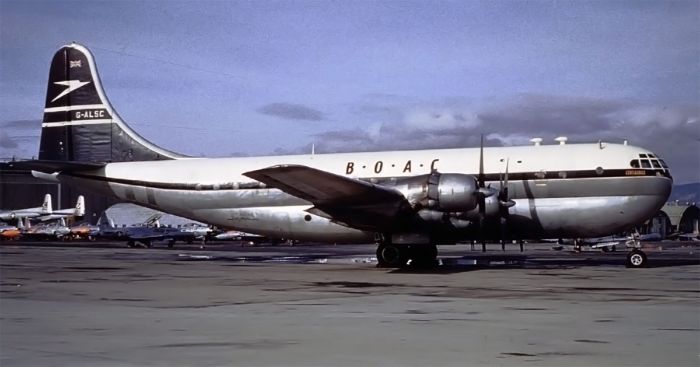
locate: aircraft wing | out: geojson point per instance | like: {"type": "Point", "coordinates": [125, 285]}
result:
{"type": "Point", "coordinates": [345, 200]}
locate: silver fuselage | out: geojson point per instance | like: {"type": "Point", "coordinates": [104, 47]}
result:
{"type": "Point", "coordinates": [572, 190]}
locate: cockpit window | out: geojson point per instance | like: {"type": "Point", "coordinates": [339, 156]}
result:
{"type": "Point", "coordinates": [655, 163]}
{"type": "Point", "coordinates": [642, 155]}
{"type": "Point", "coordinates": [645, 163]}
{"type": "Point", "coordinates": [663, 163]}
{"type": "Point", "coordinates": [652, 156]}
{"type": "Point", "coordinates": [634, 163]}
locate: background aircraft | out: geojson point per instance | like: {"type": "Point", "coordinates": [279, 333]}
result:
{"type": "Point", "coordinates": [44, 209]}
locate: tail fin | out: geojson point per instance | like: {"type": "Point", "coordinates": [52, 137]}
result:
{"type": "Point", "coordinates": [80, 206]}
{"type": "Point", "coordinates": [80, 125]}
{"type": "Point", "coordinates": [105, 221]}
{"type": "Point", "coordinates": [46, 207]}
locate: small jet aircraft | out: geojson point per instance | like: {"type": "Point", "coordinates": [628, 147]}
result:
{"type": "Point", "coordinates": [408, 202]}
{"type": "Point", "coordinates": [149, 231]}
{"type": "Point", "coordinates": [84, 231]}
{"type": "Point", "coordinates": [8, 232]}
{"type": "Point", "coordinates": [250, 238]}
{"type": "Point", "coordinates": [44, 209]}
{"type": "Point", "coordinates": [56, 230]}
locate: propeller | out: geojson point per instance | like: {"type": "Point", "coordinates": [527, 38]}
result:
{"type": "Point", "coordinates": [481, 196]}
{"type": "Point", "coordinates": [484, 192]}
{"type": "Point", "coordinates": [504, 204]}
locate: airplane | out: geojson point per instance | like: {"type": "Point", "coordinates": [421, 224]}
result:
{"type": "Point", "coordinates": [47, 231]}
{"type": "Point", "coordinates": [8, 232]}
{"type": "Point", "coordinates": [149, 231]}
{"type": "Point", "coordinates": [408, 202]}
{"type": "Point", "coordinates": [249, 238]}
{"type": "Point", "coordinates": [77, 211]}
{"type": "Point", "coordinates": [44, 209]}
{"type": "Point", "coordinates": [84, 231]}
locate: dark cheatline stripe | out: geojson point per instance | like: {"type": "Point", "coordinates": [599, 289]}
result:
{"type": "Point", "coordinates": [521, 176]}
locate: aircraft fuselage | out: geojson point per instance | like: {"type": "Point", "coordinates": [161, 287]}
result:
{"type": "Point", "coordinates": [570, 190]}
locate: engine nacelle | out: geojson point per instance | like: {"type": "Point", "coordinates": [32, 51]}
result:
{"type": "Point", "coordinates": [445, 192]}
{"type": "Point", "coordinates": [453, 192]}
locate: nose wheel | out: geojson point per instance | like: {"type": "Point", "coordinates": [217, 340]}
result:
{"type": "Point", "coordinates": [636, 259]}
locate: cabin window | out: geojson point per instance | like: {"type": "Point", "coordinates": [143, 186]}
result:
{"type": "Point", "coordinates": [634, 163]}
{"type": "Point", "coordinates": [645, 163]}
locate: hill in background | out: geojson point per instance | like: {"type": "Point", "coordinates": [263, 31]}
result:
{"type": "Point", "coordinates": [686, 193]}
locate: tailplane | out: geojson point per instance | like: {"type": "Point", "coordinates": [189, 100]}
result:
{"type": "Point", "coordinates": [80, 125]}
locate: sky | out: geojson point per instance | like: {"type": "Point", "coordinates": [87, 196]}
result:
{"type": "Point", "coordinates": [244, 78]}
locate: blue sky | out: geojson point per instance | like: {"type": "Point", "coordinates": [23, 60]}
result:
{"type": "Point", "coordinates": [263, 77]}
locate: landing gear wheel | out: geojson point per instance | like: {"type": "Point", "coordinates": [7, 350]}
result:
{"type": "Point", "coordinates": [636, 259]}
{"type": "Point", "coordinates": [391, 256]}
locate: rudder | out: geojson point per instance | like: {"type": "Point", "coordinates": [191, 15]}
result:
{"type": "Point", "coordinates": [80, 125]}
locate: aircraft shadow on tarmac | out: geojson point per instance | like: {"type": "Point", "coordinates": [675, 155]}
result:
{"type": "Point", "coordinates": [464, 264]}
{"type": "Point", "coordinates": [484, 262]}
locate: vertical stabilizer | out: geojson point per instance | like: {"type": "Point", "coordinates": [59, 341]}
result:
{"type": "Point", "coordinates": [105, 221]}
{"type": "Point", "coordinates": [80, 206]}
{"type": "Point", "coordinates": [46, 207]}
{"type": "Point", "coordinates": [80, 124]}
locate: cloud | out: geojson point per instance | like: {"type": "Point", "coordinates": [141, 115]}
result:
{"type": "Point", "coordinates": [19, 138]}
{"type": "Point", "coordinates": [34, 125]}
{"type": "Point", "coordinates": [672, 131]}
{"type": "Point", "coordinates": [7, 142]}
{"type": "Point", "coordinates": [291, 111]}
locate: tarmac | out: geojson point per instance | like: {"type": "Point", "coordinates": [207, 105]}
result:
{"type": "Point", "coordinates": [100, 304]}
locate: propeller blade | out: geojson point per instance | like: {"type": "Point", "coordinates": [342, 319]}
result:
{"type": "Point", "coordinates": [481, 163]}
{"type": "Point", "coordinates": [505, 182]}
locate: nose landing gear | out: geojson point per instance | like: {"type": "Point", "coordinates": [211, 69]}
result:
{"type": "Point", "coordinates": [636, 258]}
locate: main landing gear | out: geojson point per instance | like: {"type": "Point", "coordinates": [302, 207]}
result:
{"type": "Point", "coordinates": [391, 255]}
{"type": "Point", "coordinates": [636, 258]}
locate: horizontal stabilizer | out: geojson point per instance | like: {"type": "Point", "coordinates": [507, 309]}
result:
{"type": "Point", "coordinates": [56, 166]}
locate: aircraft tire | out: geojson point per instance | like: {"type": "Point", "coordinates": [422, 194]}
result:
{"type": "Point", "coordinates": [636, 259]}
{"type": "Point", "coordinates": [391, 255]}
